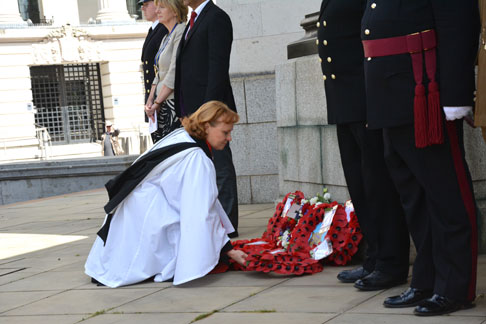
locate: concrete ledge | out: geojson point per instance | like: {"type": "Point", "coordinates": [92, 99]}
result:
{"type": "Point", "coordinates": [32, 180]}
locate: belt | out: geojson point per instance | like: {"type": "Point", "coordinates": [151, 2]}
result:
{"type": "Point", "coordinates": [427, 110]}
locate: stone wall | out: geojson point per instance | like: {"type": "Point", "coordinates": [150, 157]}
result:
{"type": "Point", "coordinates": [32, 180]}
{"type": "Point", "coordinates": [254, 144]}
{"type": "Point", "coordinates": [262, 29]}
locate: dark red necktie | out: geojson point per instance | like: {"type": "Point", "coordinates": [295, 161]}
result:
{"type": "Point", "coordinates": [193, 18]}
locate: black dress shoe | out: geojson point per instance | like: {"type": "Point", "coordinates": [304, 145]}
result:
{"type": "Point", "coordinates": [408, 298]}
{"type": "Point", "coordinates": [439, 305]}
{"type": "Point", "coordinates": [378, 280]}
{"type": "Point", "coordinates": [233, 234]}
{"type": "Point", "coordinates": [96, 282]}
{"type": "Point", "coordinates": [350, 276]}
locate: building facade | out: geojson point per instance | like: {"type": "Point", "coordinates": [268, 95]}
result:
{"type": "Point", "coordinates": [65, 68]}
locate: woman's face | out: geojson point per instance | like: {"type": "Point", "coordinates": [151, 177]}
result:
{"type": "Point", "coordinates": [165, 14]}
{"type": "Point", "coordinates": [219, 135]}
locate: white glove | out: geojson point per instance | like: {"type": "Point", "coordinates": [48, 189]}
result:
{"type": "Point", "coordinates": [453, 113]}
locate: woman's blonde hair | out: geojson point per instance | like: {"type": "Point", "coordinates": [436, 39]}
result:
{"type": "Point", "coordinates": [176, 6]}
{"type": "Point", "coordinates": [209, 113]}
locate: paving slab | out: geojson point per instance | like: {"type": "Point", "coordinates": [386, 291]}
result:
{"type": "Point", "coordinates": [264, 213]}
{"type": "Point", "coordinates": [402, 319]}
{"type": "Point", "coordinates": [49, 319]}
{"type": "Point", "coordinates": [281, 318]}
{"type": "Point", "coordinates": [169, 318]}
{"type": "Point", "coordinates": [13, 300]}
{"type": "Point", "coordinates": [325, 278]}
{"type": "Point", "coordinates": [87, 301]}
{"type": "Point", "coordinates": [46, 281]}
{"type": "Point", "coordinates": [197, 299]}
{"type": "Point", "coordinates": [49, 285]}
{"type": "Point", "coordinates": [237, 279]}
{"type": "Point", "coordinates": [253, 222]}
{"type": "Point", "coordinates": [303, 300]}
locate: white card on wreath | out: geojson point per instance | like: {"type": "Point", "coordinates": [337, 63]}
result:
{"type": "Point", "coordinates": [294, 211]}
{"type": "Point", "coordinates": [288, 202]}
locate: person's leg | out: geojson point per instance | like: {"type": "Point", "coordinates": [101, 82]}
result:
{"type": "Point", "coordinates": [449, 205]}
{"type": "Point", "coordinates": [385, 214]}
{"type": "Point", "coordinates": [226, 181]}
{"type": "Point", "coordinates": [352, 167]}
{"type": "Point", "coordinates": [412, 196]}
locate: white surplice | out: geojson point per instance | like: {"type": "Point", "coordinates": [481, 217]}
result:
{"type": "Point", "coordinates": [171, 225]}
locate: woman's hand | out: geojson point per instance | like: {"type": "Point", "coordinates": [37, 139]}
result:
{"type": "Point", "coordinates": [149, 110]}
{"type": "Point", "coordinates": [238, 256]}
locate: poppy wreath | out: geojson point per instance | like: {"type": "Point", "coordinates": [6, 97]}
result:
{"type": "Point", "coordinates": [269, 254]}
{"type": "Point", "coordinates": [345, 237]}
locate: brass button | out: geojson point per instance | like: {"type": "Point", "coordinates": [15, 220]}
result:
{"type": "Point", "coordinates": [369, 58]}
{"type": "Point", "coordinates": [373, 5]}
{"type": "Point", "coordinates": [146, 62]}
{"type": "Point", "coordinates": [148, 81]}
{"type": "Point", "coordinates": [324, 23]}
{"type": "Point", "coordinates": [320, 60]}
{"type": "Point", "coordinates": [474, 99]}
{"type": "Point", "coordinates": [475, 92]}
{"type": "Point", "coordinates": [324, 77]}
{"type": "Point", "coordinates": [318, 24]}
{"type": "Point", "coordinates": [333, 76]}
{"type": "Point", "coordinates": [147, 71]}
{"type": "Point", "coordinates": [367, 32]}
{"type": "Point", "coordinates": [324, 42]}
{"type": "Point", "coordinates": [329, 59]}
{"type": "Point", "coordinates": [317, 42]}
{"type": "Point", "coordinates": [148, 91]}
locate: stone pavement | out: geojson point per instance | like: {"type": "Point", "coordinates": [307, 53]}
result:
{"type": "Point", "coordinates": [44, 244]}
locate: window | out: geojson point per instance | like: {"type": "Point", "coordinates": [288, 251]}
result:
{"type": "Point", "coordinates": [69, 101]}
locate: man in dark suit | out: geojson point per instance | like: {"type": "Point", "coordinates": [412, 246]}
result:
{"type": "Point", "coordinates": [151, 45]}
{"type": "Point", "coordinates": [202, 74]}
{"type": "Point", "coordinates": [419, 67]}
{"type": "Point", "coordinates": [375, 199]}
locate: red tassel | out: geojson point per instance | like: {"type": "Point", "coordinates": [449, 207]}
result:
{"type": "Point", "coordinates": [420, 116]}
{"type": "Point", "coordinates": [436, 135]}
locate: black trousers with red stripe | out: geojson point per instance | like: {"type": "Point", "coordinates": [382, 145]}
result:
{"type": "Point", "coordinates": [436, 192]}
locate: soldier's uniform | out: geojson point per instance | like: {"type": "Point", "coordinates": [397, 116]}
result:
{"type": "Point", "coordinates": [408, 45]}
{"type": "Point", "coordinates": [149, 50]}
{"type": "Point", "coordinates": [372, 191]}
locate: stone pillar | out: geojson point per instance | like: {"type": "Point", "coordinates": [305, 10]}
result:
{"type": "Point", "coordinates": [307, 44]}
{"type": "Point", "coordinates": [113, 10]}
{"type": "Point", "coordinates": [10, 13]}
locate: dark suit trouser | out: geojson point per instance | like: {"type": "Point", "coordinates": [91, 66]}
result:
{"type": "Point", "coordinates": [375, 199]}
{"type": "Point", "coordinates": [226, 181]}
{"type": "Point", "coordinates": [440, 213]}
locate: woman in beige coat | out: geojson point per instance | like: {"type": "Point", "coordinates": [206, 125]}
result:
{"type": "Point", "coordinates": [160, 103]}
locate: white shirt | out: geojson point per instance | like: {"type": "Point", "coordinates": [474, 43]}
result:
{"type": "Point", "coordinates": [154, 24]}
{"type": "Point", "coordinates": [200, 8]}
{"type": "Point", "coordinates": [198, 12]}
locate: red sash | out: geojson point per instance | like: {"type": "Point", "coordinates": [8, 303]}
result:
{"type": "Point", "coordinates": [427, 110]}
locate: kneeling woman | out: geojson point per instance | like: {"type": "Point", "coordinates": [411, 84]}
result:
{"type": "Point", "coordinates": [164, 219]}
